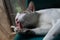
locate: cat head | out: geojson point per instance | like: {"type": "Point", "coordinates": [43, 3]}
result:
{"type": "Point", "coordinates": [29, 17]}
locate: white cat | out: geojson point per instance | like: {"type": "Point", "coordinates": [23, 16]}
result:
{"type": "Point", "coordinates": [44, 21]}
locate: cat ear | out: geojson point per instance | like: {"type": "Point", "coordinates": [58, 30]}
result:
{"type": "Point", "coordinates": [31, 6]}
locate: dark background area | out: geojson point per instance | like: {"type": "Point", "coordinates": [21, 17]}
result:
{"type": "Point", "coordinates": [43, 4]}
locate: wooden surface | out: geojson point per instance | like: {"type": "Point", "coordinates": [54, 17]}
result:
{"type": "Point", "coordinates": [4, 24]}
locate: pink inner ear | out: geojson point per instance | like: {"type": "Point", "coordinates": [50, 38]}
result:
{"type": "Point", "coordinates": [31, 6]}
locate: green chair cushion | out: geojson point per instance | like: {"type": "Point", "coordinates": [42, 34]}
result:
{"type": "Point", "coordinates": [24, 37]}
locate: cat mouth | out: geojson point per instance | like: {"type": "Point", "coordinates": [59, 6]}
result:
{"type": "Point", "coordinates": [19, 25]}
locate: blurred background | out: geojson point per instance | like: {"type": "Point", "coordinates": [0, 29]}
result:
{"type": "Point", "coordinates": [9, 9]}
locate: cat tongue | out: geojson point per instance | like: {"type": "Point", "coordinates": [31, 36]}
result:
{"type": "Point", "coordinates": [18, 24]}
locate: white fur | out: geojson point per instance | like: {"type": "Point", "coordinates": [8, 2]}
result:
{"type": "Point", "coordinates": [14, 28]}
{"type": "Point", "coordinates": [47, 19]}
{"type": "Point", "coordinates": [53, 31]}
{"type": "Point", "coordinates": [19, 16]}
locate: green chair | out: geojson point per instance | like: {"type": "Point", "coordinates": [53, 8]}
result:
{"type": "Point", "coordinates": [24, 37]}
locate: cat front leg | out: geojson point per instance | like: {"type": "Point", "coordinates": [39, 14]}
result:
{"type": "Point", "coordinates": [39, 31]}
{"type": "Point", "coordinates": [53, 32]}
